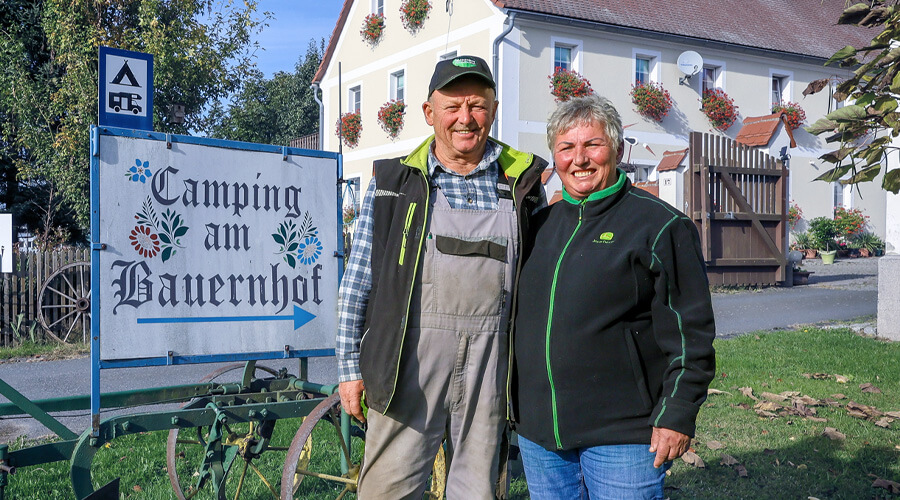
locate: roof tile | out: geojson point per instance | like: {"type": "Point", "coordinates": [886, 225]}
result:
{"type": "Point", "coordinates": [671, 160]}
{"type": "Point", "coordinates": [759, 130]}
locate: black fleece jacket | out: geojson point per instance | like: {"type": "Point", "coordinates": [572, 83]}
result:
{"type": "Point", "coordinates": [614, 329]}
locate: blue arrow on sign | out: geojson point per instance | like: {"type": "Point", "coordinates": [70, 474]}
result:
{"type": "Point", "coordinates": [300, 318]}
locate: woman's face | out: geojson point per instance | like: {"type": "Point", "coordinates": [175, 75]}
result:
{"type": "Point", "coordinates": [585, 159]}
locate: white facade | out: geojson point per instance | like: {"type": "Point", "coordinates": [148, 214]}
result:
{"type": "Point", "coordinates": [609, 57]}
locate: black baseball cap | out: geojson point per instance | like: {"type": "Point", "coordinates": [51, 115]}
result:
{"type": "Point", "coordinates": [449, 70]}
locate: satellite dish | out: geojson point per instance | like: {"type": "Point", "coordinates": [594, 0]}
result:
{"type": "Point", "coordinates": [690, 63]}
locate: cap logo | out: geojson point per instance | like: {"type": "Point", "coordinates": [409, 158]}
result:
{"type": "Point", "coordinates": [464, 63]}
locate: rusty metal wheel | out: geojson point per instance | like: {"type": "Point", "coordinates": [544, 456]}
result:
{"type": "Point", "coordinates": [249, 454]}
{"type": "Point", "coordinates": [65, 303]}
{"type": "Point", "coordinates": [304, 458]}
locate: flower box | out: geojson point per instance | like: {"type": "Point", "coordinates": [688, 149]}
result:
{"type": "Point", "coordinates": [373, 29]}
{"type": "Point", "coordinates": [566, 84]}
{"type": "Point", "coordinates": [413, 13]}
{"type": "Point", "coordinates": [719, 109]}
{"type": "Point", "coordinates": [793, 113]}
{"type": "Point", "coordinates": [390, 117]}
{"type": "Point", "coordinates": [349, 128]}
{"type": "Point", "coordinates": [651, 100]}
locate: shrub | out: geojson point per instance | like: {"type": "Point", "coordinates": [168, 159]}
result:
{"type": "Point", "coordinates": [823, 231]}
{"type": "Point", "coordinates": [652, 100]}
{"type": "Point", "coordinates": [849, 222]}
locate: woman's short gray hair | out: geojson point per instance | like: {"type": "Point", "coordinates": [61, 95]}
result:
{"type": "Point", "coordinates": [584, 110]}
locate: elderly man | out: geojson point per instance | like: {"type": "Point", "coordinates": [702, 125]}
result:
{"type": "Point", "coordinates": [426, 298]}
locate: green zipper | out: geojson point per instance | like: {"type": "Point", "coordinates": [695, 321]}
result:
{"type": "Point", "coordinates": [409, 218]}
{"type": "Point", "coordinates": [550, 322]}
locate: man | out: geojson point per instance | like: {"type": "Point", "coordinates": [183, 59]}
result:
{"type": "Point", "coordinates": [426, 298]}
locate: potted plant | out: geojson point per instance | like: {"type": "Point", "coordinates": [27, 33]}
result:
{"type": "Point", "coordinates": [867, 243]}
{"type": "Point", "coordinates": [390, 116]}
{"type": "Point", "coordinates": [566, 84]}
{"type": "Point", "coordinates": [804, 242]}
{"type": "Point", "coordinates": [801, 276]}
{"type": "Point", "coordinates": [413, 13]}
{"type": "Point", "coordinates": [349, 128]}
{"type": "Point", "coordinates": [719, 108]}
{"type": "Point", "coordinates": [373, 28]}
{"type": "Point", "coordinates": [792, 111]}
{"type": "Point", "coordinates": [651, 100]}
{"type": "Point", "coordinates": [824, 231]}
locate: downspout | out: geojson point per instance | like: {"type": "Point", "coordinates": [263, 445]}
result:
{"type": "Point", "coordinates": [510, 20]}
{"type": "Point", "coordinates": [321, 138]}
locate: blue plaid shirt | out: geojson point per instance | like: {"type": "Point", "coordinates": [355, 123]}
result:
{"type": "Point", "coordinates": [477, 191]}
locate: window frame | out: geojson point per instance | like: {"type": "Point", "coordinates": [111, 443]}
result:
{"type": "Point", "coordinates": [653, 70]}
{"type": "Point", "coordinates": [786, 79]}
{"type": "Point", "coordinates": [576, 48]}
{"type": "Point", "coordinates": [392, 83]}
{"type": "Point", "coordinates": [378, 7]}
{"type": "Point", "coordinates": [351, 101]}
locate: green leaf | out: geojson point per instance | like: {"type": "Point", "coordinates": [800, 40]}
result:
{"type": "Point", "coordinates": [834, 174]}
{"type": "Point", "coordinates": [293, 247]}
{"type": "Point", "coordinates": [848, 113]}
{"type": "Point", "coordinates": [866, 175]}
{"type": "Point", "coordinates": [842, 54]}
{"type": "Point", "coordinates": [181, 231]}
{"type": "Point", "coordinates": [891, 181]}
{"type": "Point", "coordinates": [885, 105]}
{"type": "Point", "coordinates": [278, 238]}
{"type": "Point", "coordinates": [166, 254]}
{"type": "Point", "coordinates": [291, 260]}
{"type": "Point", "coordinates": [163, 237]}
{"type": "Point", "coordinates": [854, 14]}
{"type": "Point", "coordinates": [821, 126]}
{"type": "Point", "coordinates": [837, 155]}
{"type": "Point", "coordinates": [165, 226]}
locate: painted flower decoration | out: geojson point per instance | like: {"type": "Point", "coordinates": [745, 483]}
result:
{"type": "Point", "coordinates": [144, 241]}
{"type": "Point", "coordinates": [309, 251]}
{"type": "Point", "coordinates": [140, 171]}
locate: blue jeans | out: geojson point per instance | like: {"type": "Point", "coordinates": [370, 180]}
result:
{"type": "Point", "coordinates": [616, 472]}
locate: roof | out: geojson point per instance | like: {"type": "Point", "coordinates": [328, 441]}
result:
{"type": "Point", "coordinates": [547, 174]}
{"type": "Point", "coordinates": [759, 130]}
{"type": "Point", "coordinates": [671, 160]}
{"type": "Point", "coordinates": [651, 187]}
{"type": "Point", "coordinates": [805, 27]}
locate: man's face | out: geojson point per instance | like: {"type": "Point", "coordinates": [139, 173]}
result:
{"type": "Point", "coordinates": [461, 114]}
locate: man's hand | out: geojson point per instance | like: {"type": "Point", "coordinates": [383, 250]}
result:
{"type": "Point", "coordinates": [351, 395]}
{"type": "Point", "coordinates": [666, 443]}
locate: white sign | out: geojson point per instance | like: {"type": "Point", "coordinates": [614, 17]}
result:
{"type": "Point", "coordinates": [212, 250]}
{"type": "Point", "coordinates": [127, 85]}
{"type": "Point", "coordinates": [6, 250]}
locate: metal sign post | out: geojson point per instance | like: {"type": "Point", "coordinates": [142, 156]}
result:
{"type": "Point", "coordinates": [126, 89]}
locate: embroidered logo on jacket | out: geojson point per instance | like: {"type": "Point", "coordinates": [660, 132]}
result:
{"type": "Point", "coordinates": [606, 237]}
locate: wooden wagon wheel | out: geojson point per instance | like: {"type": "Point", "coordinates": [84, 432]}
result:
{"type": "Point", "coordinates": [65, 303]}
{"type": "Point", "coordinates": [297, 465]}
{"type": "Point", "coordinates": [247, 449]}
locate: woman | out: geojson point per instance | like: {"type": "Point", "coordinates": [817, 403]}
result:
{"type": "Point", "coordinates": [613, 335]}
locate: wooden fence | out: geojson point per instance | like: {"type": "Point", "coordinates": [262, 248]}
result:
{"type": "Point", "coordinates": [20, 291]}
{"type": "Point", "coordinates": [737, 197]}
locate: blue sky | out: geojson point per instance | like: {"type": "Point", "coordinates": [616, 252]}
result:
{"type": "Point", "coordinates": [294, 23]}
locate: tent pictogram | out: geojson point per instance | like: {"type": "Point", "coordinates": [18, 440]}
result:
{"type": "Point", "coordinates": [125, 74]}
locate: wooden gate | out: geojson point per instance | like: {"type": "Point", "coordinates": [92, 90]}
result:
{"type": "Point", "coordinates": [737, 197]}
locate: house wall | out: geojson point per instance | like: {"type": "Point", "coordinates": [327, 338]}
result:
{"type": "Point", "coordinates": [469, 30]}
{"type": "Point", "coordinates": [606, 60]}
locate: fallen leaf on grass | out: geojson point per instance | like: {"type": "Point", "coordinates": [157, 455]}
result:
{"type": "Point", "coordinates": [869, 388]}
{"type": "Point", "coordinates": [817, 419]}
{"type": "Point", "coordinates": [888, 485]}
{"type": "Point", "coordinates": [768, 406]}
{"type": "Point", "coordinates": [692, 458]}
{"type": "Point", "coordinates": [808, 401]}
{"type": "Point", "coordinates": [833, 434]}
{"type": "Point", "coordinates": [715, 445]}
{"type": "Point", "coordinates": [838, 396]}
{"type": "Point", "coordinates": [884, 422]}
{"type": "Point", "coordinates": [864, 412]}
{"type": "Point", "coordinates": [894, 414]}
{"type": "Point", "coordinates": [747, 391]}
{"type": "Point", "coordinates": [841, 379]}
{"type": "Point", "coordinates": [766, 414]}
{"type": "Point", "coordinates": [137, 488]}
{"type": "Point", "coordinates": [728, 460]}
{"type": "Point", "coordinates": [773, 397]}
{"type": "Point", "coordinates": [817, 376]}
{"type": "Point", "coordinates": [741, 471]}
{"type": "Point", "coordinates": [743, 406]}
{"type": "Point", "coordinates": [712, 391]}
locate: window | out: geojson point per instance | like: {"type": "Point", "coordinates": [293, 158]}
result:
{"type": "Point", "coordinates": [398, 85]}
{"type": "Point", "coordinates": [838, 197]}
{"type": "Point", "coordinates": [646, 66]}
{"type": "Point", "coordinates": [642, 70]}
{"type": "Point", "coordinates": [710, 79]}
{"type": "Point", "coordinates": [781, 82]}
{"type": "Point", "coordinates": [378, 7]}
{"type": "Point", "coordinates": [354, 99]}
{"type": "Point", "coordinates": [562, 57]}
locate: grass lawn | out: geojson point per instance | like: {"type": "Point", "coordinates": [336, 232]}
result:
{"type": "Point", "coordinates": [762, 436]}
